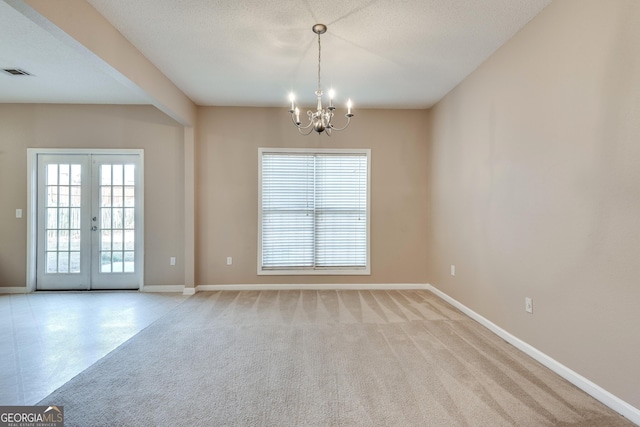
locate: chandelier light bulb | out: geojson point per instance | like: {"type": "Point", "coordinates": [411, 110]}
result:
{"type": "Point", "coordinates": [292, 98]}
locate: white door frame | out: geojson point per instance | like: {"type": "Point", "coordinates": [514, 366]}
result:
{"type": "Point", "coordinates": [32, 204]}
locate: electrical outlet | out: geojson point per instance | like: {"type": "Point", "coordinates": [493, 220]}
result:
{"type": "Point", "coordinates": [453, 270]}
{"type": "Point", "coordinates": [528, 305]}
{"type": "Point", "coordinates": [172, 260]}
{"type": "Point", "coordinates": [229, 260]}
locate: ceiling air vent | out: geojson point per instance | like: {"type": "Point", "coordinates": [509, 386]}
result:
{"type": "Point", "coordinates": [16, 72]}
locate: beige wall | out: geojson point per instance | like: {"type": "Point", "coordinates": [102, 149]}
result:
{"type": "Point", "coordinates": [526, 177]}
{"type": "Point", "coordinates": [25, 126]}
{"type": "Point", "coordinates": [227, 191]}
{"type": "Point", "coordinates": [534, 170]}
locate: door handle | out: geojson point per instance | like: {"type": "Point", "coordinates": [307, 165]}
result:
{"type": "Point", "coordinates": [95, 218]}
{"type": "Point", "coordinates": [94, 228]}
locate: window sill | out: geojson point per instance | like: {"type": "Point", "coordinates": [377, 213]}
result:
{"type": "Point", "coordinates": [311, 272]}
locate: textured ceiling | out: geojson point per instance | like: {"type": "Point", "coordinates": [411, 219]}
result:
{"type": "Point", "coordinates": [380, 53]}
{"type": "Point", "coordinates": [60, 74]}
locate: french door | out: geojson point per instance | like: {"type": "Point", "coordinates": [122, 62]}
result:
{"type": "Point", "coordinates": [89, 223]}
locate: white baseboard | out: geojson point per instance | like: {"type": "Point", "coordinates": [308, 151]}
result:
{"type": "Point", "coordinates": [623, 408]}
{"type": "Point", "coordinates": [189, 291]}
{"type": "Point", "coordinates": [316, 287]}
{"type": "Point", "coordinates": [14, 290]}
{"type": "Point", "coordinates": [162, 288]}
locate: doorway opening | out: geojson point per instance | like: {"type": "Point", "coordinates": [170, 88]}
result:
{"type": "Point", "coordinates": [86, 220]}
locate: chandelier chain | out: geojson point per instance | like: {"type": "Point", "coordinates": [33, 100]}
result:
{"type": "Point", "coordinates": [319, 88]}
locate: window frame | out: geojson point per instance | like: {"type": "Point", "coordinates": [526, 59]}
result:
{"type": "Point", "coordinates": [324, 271]}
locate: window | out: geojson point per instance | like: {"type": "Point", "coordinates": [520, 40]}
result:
{"type": "Point", "coordinates": [313, 212]}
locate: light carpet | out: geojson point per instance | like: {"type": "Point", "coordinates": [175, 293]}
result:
{"type": "Point", "coordinates": [322, 358]}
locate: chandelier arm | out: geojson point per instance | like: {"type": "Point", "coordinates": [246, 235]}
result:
{"type": "Point", "coordinates": [342, 128]}
{"type": "Point", "coordinates": [307, 126]}
{"type": "Point", "coordinates": [298, 125]}
{"type": "Point", "coordinates": [302, 133]}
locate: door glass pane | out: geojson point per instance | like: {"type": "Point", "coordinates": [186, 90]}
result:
{"type": "Point", "coordinates": [129, 218]}
{"type": "Point", "coordinates": [129, 196]}
{"type": "Point", "coordinates": [52, 218]}
{"type": "Point", "coordinates": [74, 262]}
{"type": "Point", "coordinates": [129, 240]}
{"type": "Point", "coordinates": [62, 227]}
{"type": "Point", "coordinates": [52, 174]}
{"type": "Point", "coordinates": [63, 177]}
{"type": "Point", "coordinates": [74, 241]}
{"type": "Point", "coordinates": [106, 196]}
{"type": "Point", "coordinates": [76, 174]}
{"type": "Point", "coordinates": [117, 196]}
{"type": "Point", "coordinates": [105, 174]}
{"type": "Point", "coordinates": [105, 262]}
{"type": "Point", "coordinates": [52, 240]}
{"type": "Point", "coordinates": [63, 220]}
{"type": "Point", "coordinates": [63, 262]}
{"type": "Point", "coordinates": [75, 218]}
{"type": "Point", "coordinates": [52, 195]}
{"type": "Point", "coordinates": [117, 236]}
{"type": "Point", "coordinates": [105, 240]}
{"type": "Point", "coordinates": [75, 196]}
{"type": "Point", "coordinates": [117, 174]}
{"type": "Point", "coordinates": [117, 218]}
{"type": "Point", "coordinates": [105, 216]}
{"type": "Point", "coordinates": [63, 197]}
{"type": "Point", "coordinates": [117, 240]}
{"type": "Point", "coordinates": [129, 174]}
{"type": "Point", "coordinates": [52, 262]}
{"type": "Point", "coordinates": [63, 240]}
{"type": "Point", "coordinates": [117, 262]}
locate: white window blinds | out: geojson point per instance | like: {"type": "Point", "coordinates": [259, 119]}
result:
{"type": "Point", "coordinates": [314, 211]}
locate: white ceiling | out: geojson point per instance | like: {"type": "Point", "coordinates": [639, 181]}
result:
{"type": "Point", "coordinates": [60, 74]}
{"type": "Point", "coordinates": [380, 53]}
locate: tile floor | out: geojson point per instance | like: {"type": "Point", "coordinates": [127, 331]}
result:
{"type": "Point", "coordinates": [47, 338]}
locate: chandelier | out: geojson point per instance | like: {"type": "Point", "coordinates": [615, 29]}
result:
{"type": "Point", "coordinates": [319, 120]}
